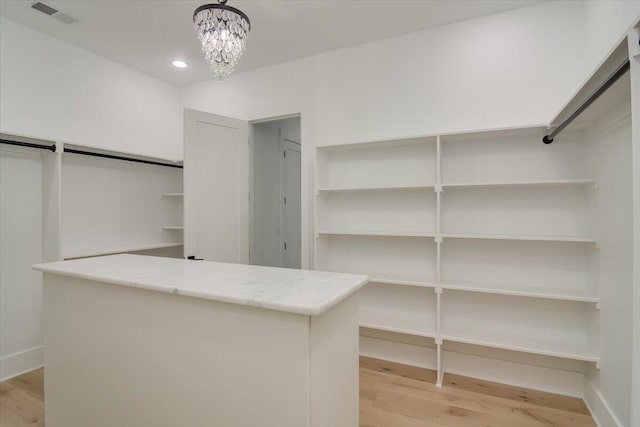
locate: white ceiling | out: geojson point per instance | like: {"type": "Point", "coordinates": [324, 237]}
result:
{"type": "Point", "coordinates": [148, 35]}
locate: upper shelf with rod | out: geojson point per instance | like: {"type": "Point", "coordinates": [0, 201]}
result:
{"type": "Point", "coordinates": [598, 84]}
{"type": "Point", "coordinates": [107, 154]}
{"type": "Point", "coordinates": [20, 141]}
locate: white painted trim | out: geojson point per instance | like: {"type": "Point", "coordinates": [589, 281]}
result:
{"type": "Point", "coordinates": [398, 352]}
{"type": "Point", "coordinates": [275, 118]}
{"type": "Point", "coordinates": [559, 380]}
{"type": "Point", "coordinates": [523, 373]}
{"type": "Point", "coordinates": [600, 409]}
{"type": "Point", "coordinates": [284, 144]}
{"type": "Point", "coordinates": [15, 364]}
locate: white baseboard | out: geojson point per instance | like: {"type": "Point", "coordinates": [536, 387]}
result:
{"type": "Point", "coordinates": [599, 407]}
{"type": "Point", "coordinates": [21, 362]}
{"type": "Point", "coordinates": [565, 379]}
{"type": "Point", "coordinates": [516, 373]}
{"type": "Point", "coordinates": [407, 354]}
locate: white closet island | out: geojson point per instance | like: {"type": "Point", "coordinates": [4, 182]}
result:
{"type": "Point", "coordinates": [139, 340]}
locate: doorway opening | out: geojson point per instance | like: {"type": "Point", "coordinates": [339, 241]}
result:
{"type": "Point", "coordinates": [276, 193]}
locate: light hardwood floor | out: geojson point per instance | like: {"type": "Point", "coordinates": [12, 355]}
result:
{"type": "Point", "coordinates": [391, 395]}
{"type": "Point", "coordinates": [22, 400]}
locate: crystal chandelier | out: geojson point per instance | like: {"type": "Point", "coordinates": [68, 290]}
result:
{"type": "Point", "coordinates": [223, 31]}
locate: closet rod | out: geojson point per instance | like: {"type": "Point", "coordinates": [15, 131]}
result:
{"type": "Point", "coordinates": [619, 72]}
{"type": "Point", "coordinates": [28, 144]}
{"type": "Point", "coordinates": [127, 159]}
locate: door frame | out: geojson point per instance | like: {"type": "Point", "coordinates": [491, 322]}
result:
{"type": "Point", "coordinates": [304, 264]}
{"type": "Point", "coordinates": [283, 143]}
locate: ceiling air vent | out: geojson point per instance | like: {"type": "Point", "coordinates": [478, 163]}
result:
{"type": "Point", "coordinates": [48, 10]}
{"type": "Point", "coordinates": [44, 8]}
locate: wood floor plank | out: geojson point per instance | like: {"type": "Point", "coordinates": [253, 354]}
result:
{"type": "Point", "coordinates": [436, 413]}
{"type": "Point", "coordinates": [521, 413]}
{"type": "Point", "coordinates": [374, 417]}
{"type": "Point", "coordinates": [398, 369]}
{"type": "Point", "coordinates": [391, 395]}
{"type": "Point", "coordinates": [19, 408]}
{"type": "Point", "coordinates": [540, 398]}
{"type": "Point", "coordinates": [5, 386]}
{"type": "Point", "coordinates": [31, 382]}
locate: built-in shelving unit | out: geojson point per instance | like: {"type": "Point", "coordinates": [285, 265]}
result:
{"type": "Point", "coordinates": [109, 205]}
{"type": "Point", "coordinates": [483, 239]}
{"type": "Point", "coordinates": [174, 201]}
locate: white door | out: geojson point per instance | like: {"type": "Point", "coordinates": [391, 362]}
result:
{"type": "Point", "coordinates": [290, 203]}
{"type": "Point", "coordinates": [216, 187]}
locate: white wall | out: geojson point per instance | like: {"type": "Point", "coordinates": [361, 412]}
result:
{"type": "Point", "coordinates": [610, 148]}
{"type": "Point", "coordinates": [111, 206]}
{"type": "Point", "coordinates": [514, 68]}
{"type": "Point", "coordinates": [606, 24]}
{"type": "Point", "coordinates": [55, 91]}
{"type": "Point", "coordinates": [486, 72]}
{"type": "Point", "coordinates": [20, 246]}
{"type": "Point", "coordinates": [52, 90]}
{"type": "Point", "coordinates": [266, 189]}
{"type": "Point", "coordinates": [634, 53]}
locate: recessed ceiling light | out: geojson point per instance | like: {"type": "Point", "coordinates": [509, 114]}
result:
{"type": "Point", "coordinates": [179, 64]}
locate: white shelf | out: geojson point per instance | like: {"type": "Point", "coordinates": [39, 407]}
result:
{"type": "Point", "coordinates": [380, 188]}
{"type": "Point", "coordinates": [376, 233]}
{"type": "Point", "coordinates": [172, 195]}
{"type": "Point", "coordinates": [546, 327]}
{"type": "Point", "coordinates": [382, 143]}
{"type": "Point", "coordinates": [397, 330]}
{"type": "Point", "coordinates": [407, 310]}
{"type": "Point", "coordinates": [122, 250]}
{"type": "Point", "coordinates": [577, 353]}
{"type": "Point", "coordinates": [532, 292]}
{"type": "Point", "coordinates": [574, 239]}
{"type": "Point", "coordinates": [402, 280]}
{"type": "Point", "coordinates": [173, 227]}
{"type": "Point", "coordinates": [498, 187]}
{"type": "Point", "coordinates": [552, 183]}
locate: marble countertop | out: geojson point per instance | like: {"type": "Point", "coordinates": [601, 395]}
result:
{"type": "Point", "coordinates": [295, 291]}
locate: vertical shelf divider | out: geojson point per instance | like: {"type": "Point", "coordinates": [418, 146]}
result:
{"type": "Point", "coordinates": [438, 242]}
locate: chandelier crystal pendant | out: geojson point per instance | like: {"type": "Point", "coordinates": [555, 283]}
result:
{"type": "Point", "coordinates": [223, 31]}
